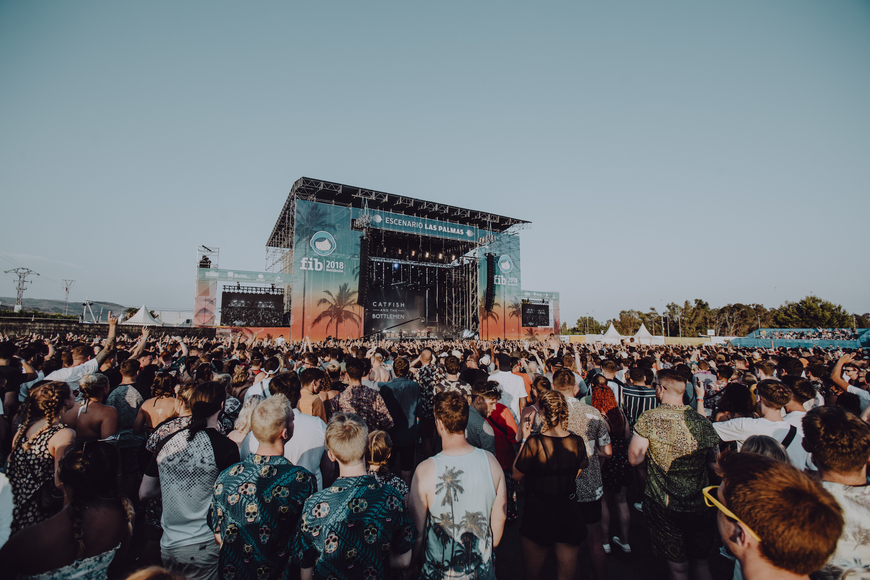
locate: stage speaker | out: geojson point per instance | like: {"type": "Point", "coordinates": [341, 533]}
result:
{"type": "Point", "coordinates": [362, 289]}
{"type": "Point", "coordinates": [490, 282]}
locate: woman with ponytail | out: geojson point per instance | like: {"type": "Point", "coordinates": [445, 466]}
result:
{"type": "Point", "coordinates": [39, 443]}
{"type": "Point", "coordinates": [184, 469]}
{"type": "Point", "coordinates": [91, 419]}
{"type": "Point", "coordinates": [93, 527]}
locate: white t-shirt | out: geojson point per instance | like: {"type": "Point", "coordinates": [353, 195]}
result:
{"type": "Point", "coordinates": [72, 375]}
{"type": "Point", "coordinates": [513, 388]}
{"type": "Point", "coordinates": [304, 449]}
{"type": "Point", "coordinates": [742, 428]}
{"type": "Point", "coordinates": [863, 396]}
{"type": "Point", "coordinates": [259, 389]}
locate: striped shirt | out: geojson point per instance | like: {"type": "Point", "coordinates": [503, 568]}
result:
{"type": "Point", "coordinates": [635, 400]}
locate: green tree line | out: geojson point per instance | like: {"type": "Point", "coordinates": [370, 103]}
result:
{"type": "Point", "coordinates": [695, 318]}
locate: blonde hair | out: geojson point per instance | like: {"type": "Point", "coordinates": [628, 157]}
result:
{"type": "Point", "coordinates": [767, 446]}
{"type": "Point", "coordinates": [554, 409]}
{"type": "Point", "coordinates": [270, 418]}
{"type": "Point", "coordinates": [347, 437]}
{"type": "Point", "coordinates": [243, 422]}
{"type": "Point", "coordinates": [378, 451]}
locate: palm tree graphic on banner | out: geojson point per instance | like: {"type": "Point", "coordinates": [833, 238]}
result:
{"type": "Point", "coordinates": [339, 308]}
{"type": "Point", "coordinates": [309, 221]}
{"type": "Point", "coordinates": [515, 310]}
{"type": "Point", "coordinates": [487, 315]}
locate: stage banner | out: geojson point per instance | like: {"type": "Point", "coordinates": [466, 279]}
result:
{"type": "Point", "coordinates": [325, 277]}
{"type": "Point", "coordinates": [396, 309]}
{"type": "Point", "coordinates": [505, 318]}
{"type": "Point", "coordinates": [385, 220]}
{"type": "Point", "coordinates": [278, 334]}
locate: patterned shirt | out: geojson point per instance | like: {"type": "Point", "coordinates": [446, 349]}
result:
{"type": "Point", "coordinates": [368, 404]}
{"type": "Point", "coordinates": [853, 549]}
{"type": "Point", "coordinates": [348, 530]}
{"type": "Point", "coordinates": [680, 444]}
{"type": "Point", "coordinates": [428, 376]}
{"type": "Point", "coordinates": [446, 385]}
{"type": "Point", "coordinates": [255, 510]}
{"type": "Point", "coordinates": [585, 420]}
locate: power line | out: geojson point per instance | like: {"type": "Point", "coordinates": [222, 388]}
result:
{"type": "Point", "coordinates": [22, 274]}
{"type": "Point", "coordinates": [67, 284]}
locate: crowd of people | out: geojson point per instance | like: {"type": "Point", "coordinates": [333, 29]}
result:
{"type": "Point", "coordinates": [815, 334]}
{"type": "Point", "coordinates": [234, 458]}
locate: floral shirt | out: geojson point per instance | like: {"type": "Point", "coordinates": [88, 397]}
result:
{"type": "Point", "coordinates": [368, 404]}
{"type": "Point", "coordinates": [348, 530]}
{"type": "Point", "coordinates": [681, 442]}
{"type": "Point", "coordinates": [853, 549]}
{"type": "Point", "coordinates": [585, 420]}
{"type": "Point", "coordinates": [428, 376]}
{"type": "Point", "coordinates": [255, 510]}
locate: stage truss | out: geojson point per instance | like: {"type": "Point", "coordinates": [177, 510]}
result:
{"type": "Point", "coordinates": [462, 299]}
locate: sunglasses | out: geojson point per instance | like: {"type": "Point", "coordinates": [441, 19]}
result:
{"type": "Point", "coordinates": [712, 501]}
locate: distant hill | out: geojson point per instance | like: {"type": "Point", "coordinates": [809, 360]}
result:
{"type": "Point", "coordinates": [56, 306]}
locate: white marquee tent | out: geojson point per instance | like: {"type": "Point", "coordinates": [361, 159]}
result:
{"type": "Point", "coordinates": [143, 318]}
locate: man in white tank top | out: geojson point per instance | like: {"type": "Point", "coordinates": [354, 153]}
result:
{"type": "Point", "coordinates": [462, 491]}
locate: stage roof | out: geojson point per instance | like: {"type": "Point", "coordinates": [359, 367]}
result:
{"type": "Point", "coordinates": [321, 191]}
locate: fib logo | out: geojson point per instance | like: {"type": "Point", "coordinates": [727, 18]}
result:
{"type": "Point", "coordinates": [323, 243]}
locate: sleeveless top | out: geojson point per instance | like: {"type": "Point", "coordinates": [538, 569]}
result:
{"type": "Point", "coordinates": [93, 568]}
{"type": "Point", "coordinates": [458, 534]}
{"type": "Point", "coordinates": [28, 470]}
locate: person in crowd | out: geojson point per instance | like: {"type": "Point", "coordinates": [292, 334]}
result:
{"type": "Point", "coordinates": [379, 373]}
{"type": "Point", "coordinates": [90, 418]}
{"type": "Point", "coordinates": [505, 429]}
{"type": "Point", "coordinates": [14, 372]}
{"type": "Point", "coordinates": [772, 396]}
{"type": "Point", "coordinates": [331, 388]}
{"type": "Point", "coordinates": [363, 401]}
{"type": "Point", "coordinates": [257, 503]}
{"type": "Point", "coordinates": [457, 500]}
{"type": "Point", "coordinates": [358, 527]}
{"type": "Point", "coordinates": [615, 470]}
{"type": "Point", "coordinates": [735, 402]}
{"type": "Point", "coordinates": [479, 432]}
{"type": "Point", "coordinates": [530, 413]}
{"type": "Point", "coordinates": [184, 469]}
{"type": "Point", "coordinates": [451, 381]}
{"type": "Point", "coordinates": [161, 405]}
{"type": "Point", "coordinates": [763, 508]}
{"type": "Point", "coordinates": [378, 451]}
{"type": "Point", "coordinates": [84, 362]}
{"type": "Point", "coordinates": [242, 426]}
{"type": "Point", "coordinates": [428, 375]}
{"type": "Point", "coordinates": [472, 373]}
{"type": "Point", "coordinates": [89, 534]}
{"type": "Point", "coordinates": [310, 403]}
{"type": "Point", "coordinates": [127, 400]}
{"type": "Point", "coordinates": [401, 397]}
{"type": "Point", "coordinates": [585, 421]}
{"type": "Point", "coordinates": [639, 395]}
{"type": "Point", "coordinates": [40, 442]}
{"type": "Point", "coordinates": [550, 462]}
{"type": "Point", "coordinates": [680, 444]}
{"type": "Point", "coordinates": [307, 448]}
{"type": "Point", "coordinates": [767, 446]}
{"type": "Point", "coordinates": [840, 446]}
{"type": "Point", "coordinates": [513, 389]}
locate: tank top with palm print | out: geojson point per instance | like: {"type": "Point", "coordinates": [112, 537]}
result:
{"type": "Point", "coordinates": [459, 537]}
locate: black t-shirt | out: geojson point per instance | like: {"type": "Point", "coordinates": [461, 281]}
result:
{"type": "Point", "coordinates": [14, 375]}
{"type": "Point", "coordinates": [473, 376]}
{"type": "Point", "coordinates": [551, 464]}
{"type": "Point", "coordinates": [114, 376]}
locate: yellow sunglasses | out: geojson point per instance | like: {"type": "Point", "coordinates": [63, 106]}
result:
{"type": "Point", "coordinates": [711, 501]}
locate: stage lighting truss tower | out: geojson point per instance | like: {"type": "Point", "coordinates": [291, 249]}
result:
{"type": "Point", "coordinates": [461, 296]}
{"type": "Point", "coordinates": [205, 300]}
{"type": "Point", "coordinates": [279, 258]}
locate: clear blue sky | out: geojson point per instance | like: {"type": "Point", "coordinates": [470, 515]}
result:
{"type": "Point", "coordinates": [663, 151]}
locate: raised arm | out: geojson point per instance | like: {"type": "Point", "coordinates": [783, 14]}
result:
{"type": "Point", "coordinates": [140, 346]}
{"type": "Point", "coordinates": [104, 354]}
{"type": "Point", "coordinates": [837, 373]}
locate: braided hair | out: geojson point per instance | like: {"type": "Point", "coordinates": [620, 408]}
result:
{"type": "Point", "coordinates": [88, 474]}
{"type": "Point", "coordinates": [45, 401]}
{"type": "Point", "coordinates": [554, 409]}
